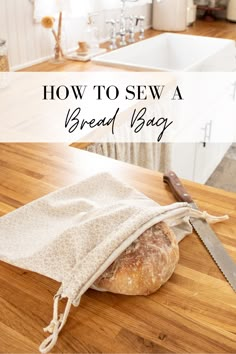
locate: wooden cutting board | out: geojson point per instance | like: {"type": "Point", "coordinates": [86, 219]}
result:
{"type": "Point", "coordinates": [194, 312]}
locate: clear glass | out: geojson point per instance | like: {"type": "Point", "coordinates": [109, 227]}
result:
{"type": "Point", "coordinates": [4, 64]}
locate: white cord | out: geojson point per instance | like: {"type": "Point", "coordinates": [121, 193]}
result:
{"type": "Point", "coordinates": [55, 325]}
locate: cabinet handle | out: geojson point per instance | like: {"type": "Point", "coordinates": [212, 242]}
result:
{"type": "Point", "coordinates": [234, 90]}
{"type": "Point", "coordinates": [207, 133]}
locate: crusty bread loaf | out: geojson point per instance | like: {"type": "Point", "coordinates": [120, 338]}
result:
{"type": "Point", "coordinates": [144, 266]}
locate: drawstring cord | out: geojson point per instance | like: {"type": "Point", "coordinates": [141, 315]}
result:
{"type": "Point", "coordinates": [55, 325]}
{"type": "Point", "coordinates": [213, 219]}
{"type": "Point", "coordinates": [208, 217]}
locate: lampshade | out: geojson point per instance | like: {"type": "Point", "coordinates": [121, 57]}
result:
{"type": "Point", "coordinates": [70, 8]}
{"type": "Point", "coordinates": [78, 8]}
{"type": "Point", "coordinates": [62, 5]}
{"type": "Point", "coordinates": [75, 8]}
{"type": "Point", "coordinates": [44, 8]}
{"type": "Point", "coordinates": [98, 5]}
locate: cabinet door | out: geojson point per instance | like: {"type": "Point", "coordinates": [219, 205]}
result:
{"type": "Point", "coordinates": [208, 158]}
{"type": "Point", "coordinates": [183, 159]}
{"type": "Point", "coordinates": [219, 136]}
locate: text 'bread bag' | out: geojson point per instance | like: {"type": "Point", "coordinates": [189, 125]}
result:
{"type": "Point", "coordinates": [74, 234]}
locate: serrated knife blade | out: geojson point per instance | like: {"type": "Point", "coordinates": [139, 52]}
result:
{"type": "Point", "coordinates": [204, 231]}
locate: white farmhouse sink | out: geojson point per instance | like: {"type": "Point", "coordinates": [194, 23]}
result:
{"type": "Point", "coordinates": [174, 52]}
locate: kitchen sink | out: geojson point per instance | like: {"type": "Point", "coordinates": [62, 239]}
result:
{"type": "Point", "coordinates": [174, 52]}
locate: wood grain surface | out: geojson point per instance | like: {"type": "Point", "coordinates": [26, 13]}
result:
{"type": "Point", "coordinates": [195, 312]}
{"type": "Point", "coordinates": [219, 29]}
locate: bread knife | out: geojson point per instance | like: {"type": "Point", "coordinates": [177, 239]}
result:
{"type": "Point", "coordinates": [204, 231]}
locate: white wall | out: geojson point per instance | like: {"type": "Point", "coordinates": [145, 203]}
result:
{"type": "Point", "coordinates": [29, 43]}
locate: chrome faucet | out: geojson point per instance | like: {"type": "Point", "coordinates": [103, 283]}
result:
{"type": "Point", "coordinates": [140, 21]}
{"type": "Point", "coordinates": [113, 44]}
{"type": "Point", "coordinates": [131, 29]}
{"type": "Point", "coordinates": [122, 30]}
{"type": "Point", "coordinates": [125, 25]}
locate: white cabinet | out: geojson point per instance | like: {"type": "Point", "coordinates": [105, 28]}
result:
{"type": "Point", "coordinates": [220, 128]}
{"type": "Point", "coordinates": [197, 161]}
{"type": "Point", "coordinates": [207, 158]}
{"type": "Point", "coordinates": [183, 159]}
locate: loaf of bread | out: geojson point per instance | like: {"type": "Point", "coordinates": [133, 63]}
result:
{"type": "Point", "coordinates": [144, 266]}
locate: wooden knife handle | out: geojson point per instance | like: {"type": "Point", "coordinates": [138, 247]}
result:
{"type": "Point", "coordinates": [177, 188]}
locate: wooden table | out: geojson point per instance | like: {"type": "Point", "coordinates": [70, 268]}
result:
{"type": "Point", "coordinates": [194, 312]}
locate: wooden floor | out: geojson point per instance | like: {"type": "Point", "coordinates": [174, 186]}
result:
{"type": "Point", "coordinates": [195, 312]}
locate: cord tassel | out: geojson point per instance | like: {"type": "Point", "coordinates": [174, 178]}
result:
{"type": "Point", "coordinates": [208, 217]}
{"type": "Point", "coordinates": [55, 325]}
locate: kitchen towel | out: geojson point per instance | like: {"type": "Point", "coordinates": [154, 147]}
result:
{"type": "Point", "coordinates": [74, 234]}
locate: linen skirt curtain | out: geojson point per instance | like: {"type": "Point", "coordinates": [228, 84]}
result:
{"type": "Point", "coordinates": [154, 156]}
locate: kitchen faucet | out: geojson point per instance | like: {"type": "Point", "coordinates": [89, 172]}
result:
{"type": "Point", "coordinates": [125, 25]}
